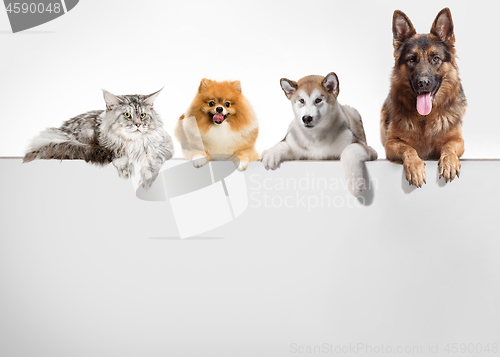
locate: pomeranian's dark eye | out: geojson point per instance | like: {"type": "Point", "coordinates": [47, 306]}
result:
{"type": "Point", "coordinates": [227, 104]}
{"type": "Point", "coordinates": [212, 103]}
{"type": "Point", "coordinates": [301, 101]}
{"type": "Point", "coordinates": [317, 101]}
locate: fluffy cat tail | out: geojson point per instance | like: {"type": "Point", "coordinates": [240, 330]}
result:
{"type": "Point", "coordinates": [55, 144]}
{"type": "Point", "coordinates": [353, 158]}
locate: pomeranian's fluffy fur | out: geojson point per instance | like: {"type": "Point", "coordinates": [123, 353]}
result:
{"type": "Point", "coordinates": [220, 121]}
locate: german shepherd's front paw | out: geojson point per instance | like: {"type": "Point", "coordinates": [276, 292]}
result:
{"type": "Point", "coordinates": [449, 167]}
{"type": "Point", "coordinates": [415, 172]}
{"type": "Point", "coordinates": [271, 159]}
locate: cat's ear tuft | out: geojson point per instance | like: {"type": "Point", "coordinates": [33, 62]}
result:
{"type": "Point", "coordinates": [111, 99]}
{"type": "Point", "coordinates": [150, 99]}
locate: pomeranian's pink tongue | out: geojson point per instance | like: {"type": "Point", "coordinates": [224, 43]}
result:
{"type": "Point", "coordinates": [219, 118]}
{"type": "Point", "coordinates": [424, 104]}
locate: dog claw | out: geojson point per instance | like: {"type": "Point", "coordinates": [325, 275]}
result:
{"type": "Point", "coordinates": [425, 181]}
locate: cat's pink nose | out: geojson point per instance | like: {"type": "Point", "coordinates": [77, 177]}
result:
{"type": "Point", "coordinates": [138, 124]}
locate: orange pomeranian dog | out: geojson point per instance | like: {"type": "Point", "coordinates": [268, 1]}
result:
{"type": "Point", "coordinates": [220, 121]}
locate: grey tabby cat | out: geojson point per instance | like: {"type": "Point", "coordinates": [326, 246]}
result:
{"type": "Point", "coordinates": [128, 133]}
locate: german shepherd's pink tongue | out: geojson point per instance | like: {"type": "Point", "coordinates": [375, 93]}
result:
{"type": "Point", "coordinates": [218, 118]}
{"type": "Point", "coordinates": [424, 104]}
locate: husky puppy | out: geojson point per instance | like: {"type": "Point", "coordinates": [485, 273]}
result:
{"type": "Point", "coordinates": [322, 130]}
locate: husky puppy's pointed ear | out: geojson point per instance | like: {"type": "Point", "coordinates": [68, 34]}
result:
{"type": "Point", "coordinates": [288, 86]}
{"type": "Point", "coordinates": [331, 84]}
{"type": "Point", "coordinates": [236, 85]}
{"type": "Point", "coordinates": [111, 99]}
{"type": "Point", "coordinates": [443, 27]}
{"type": "Point", "coordinates": [150, 99]}
{"type": "Point", "coordinates": [204, 82]}
{"type": "Point", "coordinates": [402, 28]}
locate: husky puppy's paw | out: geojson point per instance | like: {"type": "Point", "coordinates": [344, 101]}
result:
{"type": "Point", "coordinates": [355, 185]}
{"type": "Point", "coordinates": [199, 160]}
{"type": "Point", "coordinates": [371, 153]}
{"type": "Point", "coordinates": [415, 171]}
{"type": "Point", "coordinates": [271, 159]}
{"type": "Point", "coordinates": [449, 167]}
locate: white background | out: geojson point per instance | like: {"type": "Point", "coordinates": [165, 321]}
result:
{"type": "Point", "coordinates": [88, 270]}
{"type": "Point", "coordinates": [55, 71]}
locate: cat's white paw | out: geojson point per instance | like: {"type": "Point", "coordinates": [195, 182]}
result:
{"type": "Point", "coordinates": [199, 160]}
{"type": "Point", "coordinates": [125, 172]}
{"type": "Point", "coordinates": [271, 159]}
{"type": "Point", "coordinates": [147, 178]}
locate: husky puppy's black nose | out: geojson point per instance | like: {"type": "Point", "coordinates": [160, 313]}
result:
{"type": "Point", "coordinates": [307, 119]}
{"type": "Point", "coordinates": [219, 109]}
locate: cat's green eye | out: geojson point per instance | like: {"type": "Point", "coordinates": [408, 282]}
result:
{"type": "Point", "coordinates": [143, 115]}
{"type": "Point", "coordinates": [127, 115]}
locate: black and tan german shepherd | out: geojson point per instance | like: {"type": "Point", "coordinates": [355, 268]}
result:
{"type": "Point", "coordinates": [422, 116]}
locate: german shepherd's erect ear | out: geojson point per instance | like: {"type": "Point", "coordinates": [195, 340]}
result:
{"type": "Point", "coordinates": [288, 86]}
{"type": "Point", "coordinates": [402, 28]}
{"type": "Point", "coordinates": [443, 27]}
